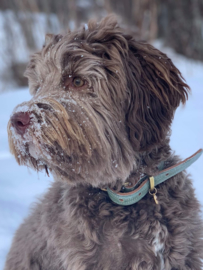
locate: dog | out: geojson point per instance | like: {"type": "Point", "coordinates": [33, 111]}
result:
{"type": "Point", "coordinates": [99, 118]}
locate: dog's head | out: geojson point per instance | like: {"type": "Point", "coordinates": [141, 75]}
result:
{"type": "Point", "coordinates": [100, 98]}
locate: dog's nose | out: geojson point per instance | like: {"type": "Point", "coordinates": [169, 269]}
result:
{"type": "Point", "coordinates": [20, 121]}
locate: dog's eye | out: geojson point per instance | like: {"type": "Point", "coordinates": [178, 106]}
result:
{"type": "Point", "coordinates": [74, 83]}
{"type": "Point", "coordinates": [78, 82]}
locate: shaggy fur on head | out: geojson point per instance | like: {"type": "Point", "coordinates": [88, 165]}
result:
{"type": "Point", "coordinates": [100, 115]}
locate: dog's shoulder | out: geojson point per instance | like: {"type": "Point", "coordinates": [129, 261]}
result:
{"type": "Point", "coordinates": [83, 222]}
{"type": "Point", "coordinates": [32, 246]}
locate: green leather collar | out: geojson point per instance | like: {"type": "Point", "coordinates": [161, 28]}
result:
{"type": "Point", "coordinates": [131, 195]}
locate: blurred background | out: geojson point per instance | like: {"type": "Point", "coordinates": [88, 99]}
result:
{"type": "Point", "coordinates": [23, 24]}
{"type": "Point", "coordinates": [174, 27]}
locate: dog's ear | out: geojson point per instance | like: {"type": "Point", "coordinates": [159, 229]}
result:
{"type": "Point", "coordinates": [51, 39]}
{"type": "Point", "coordinates": [156, 89]}
{"type": "Point", "coordinates": [48, 39]}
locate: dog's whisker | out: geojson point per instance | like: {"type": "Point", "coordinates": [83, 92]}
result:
{"type": "Point", "coordinates": [46, 170]}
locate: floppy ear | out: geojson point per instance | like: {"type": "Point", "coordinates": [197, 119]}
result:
{"type": "Point", "coordinates": [156, 89]}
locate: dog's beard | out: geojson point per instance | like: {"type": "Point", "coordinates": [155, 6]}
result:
{"type": "Point", "coordinates": [70, 139]}
{"type": "Point", "coordinates": [54, 139]}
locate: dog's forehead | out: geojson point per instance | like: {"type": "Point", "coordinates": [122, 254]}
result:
{"type": "Point", "coordinates": [70, 54]}
{"type": "Point", "coordinates": [94, 53]}
{"type": "Point", "coordinates": [81, 49]}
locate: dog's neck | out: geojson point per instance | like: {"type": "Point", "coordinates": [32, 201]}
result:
{"type": "Point", "coordinates": [147, 164]}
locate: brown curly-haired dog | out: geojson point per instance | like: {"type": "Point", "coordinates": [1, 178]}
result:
{"type": "Point", "coordinates": [100, 116]}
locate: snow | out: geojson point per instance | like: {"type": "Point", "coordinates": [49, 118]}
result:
{"type": "Point", "coordinates": [19, 187]}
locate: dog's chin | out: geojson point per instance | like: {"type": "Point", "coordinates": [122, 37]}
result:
{"type": "Point", "coordinates": [75, 163]}
{"type": "Point", "coordinates": [73, 168]}
{"type": "Point", "coordinates": [42, 157]}
{"type": "Point", "coordinates": [33, 158]}
{"type": "Point", "coordinates": [34, 151]}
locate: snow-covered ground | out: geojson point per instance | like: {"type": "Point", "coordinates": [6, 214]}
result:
{"type": "Point", "coordinates": [19, 187]}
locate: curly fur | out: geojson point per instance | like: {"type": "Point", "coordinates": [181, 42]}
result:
{"type": "Point", "coordinates": [111, 130]}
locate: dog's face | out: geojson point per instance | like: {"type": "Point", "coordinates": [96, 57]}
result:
{"type": "Point", "coordinates": [99, 100]}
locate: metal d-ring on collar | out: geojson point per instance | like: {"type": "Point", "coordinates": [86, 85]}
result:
{"type": "Point", "coordinates": [131, 195]}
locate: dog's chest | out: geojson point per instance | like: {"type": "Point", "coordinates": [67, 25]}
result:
{"type": "Point", "coordinates": [105, 236]}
